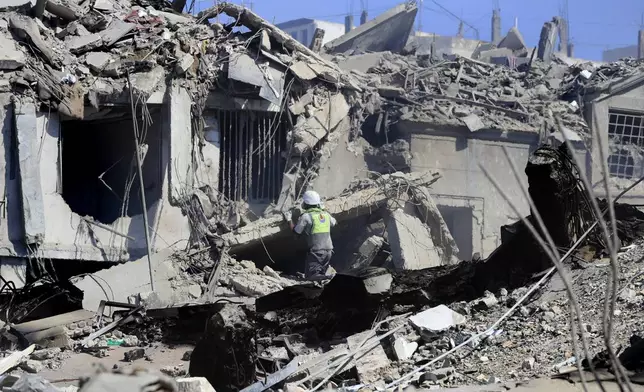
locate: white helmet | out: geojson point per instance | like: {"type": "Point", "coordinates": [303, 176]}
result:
{"type": "Point", "coordinates": [311, 198]}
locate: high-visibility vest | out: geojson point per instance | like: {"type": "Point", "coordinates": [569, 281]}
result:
{"type": "Point", "coordinates": [321, 221]}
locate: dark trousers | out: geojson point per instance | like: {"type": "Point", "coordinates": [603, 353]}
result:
{"type": "Point", "coordinates": [317, 262]}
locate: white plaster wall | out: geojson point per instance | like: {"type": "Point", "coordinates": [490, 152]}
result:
{"type": "Point", "coordinates": [463, 184]}
{"type": "Point", "coordinates": [66, 233]}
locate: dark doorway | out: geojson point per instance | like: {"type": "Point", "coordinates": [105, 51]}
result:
{"type": "Point", "coordinates": [99, 167]}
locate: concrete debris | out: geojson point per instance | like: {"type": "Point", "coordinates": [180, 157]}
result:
{"type": "Point", "coordinates": [411, 243]}
{"type": "Point", "coordinates": [403, 349]}
{"type": "Point", "coordinates": [371, 366]}
{"type": "Point", "coordinates": [10, 56]}
{"type": "Point", "coordinates": [233, 126]}
{"type": "Point", "coordinates": [437, 319]}
{"type": "Point", "coordinates": [194, 384]}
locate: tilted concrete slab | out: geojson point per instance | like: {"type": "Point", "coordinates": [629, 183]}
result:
{"type": "Point", "coordinates": [388, 31]}
{"type": "Point", "coordinates": [342, 208]}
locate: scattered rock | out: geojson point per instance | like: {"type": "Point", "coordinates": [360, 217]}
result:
{"type": "Point", "coordinates": [130, 341]}
{"type": "Point", "coordinates": [32, 366]}
{"type": "Point", "coordinates": [48, 353]}
{"type": "Point", "coordinates": [135, 354]}
{"type": "Point", "coordinates": [174, 371]}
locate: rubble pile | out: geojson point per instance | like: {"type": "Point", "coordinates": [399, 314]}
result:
{"type": "Point", "coordinates": [400, 308]}
{"type": "Point", "coordinates": [479, 95]}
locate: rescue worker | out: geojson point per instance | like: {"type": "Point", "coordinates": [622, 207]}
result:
{"type": "Point", "coordinates": [316, 224]}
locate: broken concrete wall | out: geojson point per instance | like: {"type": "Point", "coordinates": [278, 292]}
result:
{"type": "Point", "coordinates": [330, 117]}
{"type": "Point", "coordinates": [341, 162]}
{"type": "Point", "coordinates": [67, 235]}
{"type": "Point", "coordinates": [469, 203]}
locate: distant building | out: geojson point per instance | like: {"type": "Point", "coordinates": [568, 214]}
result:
{"type": "Point", "coordinates": [302, 29]}
{"type": "Point", "coordinates": [619, 53]}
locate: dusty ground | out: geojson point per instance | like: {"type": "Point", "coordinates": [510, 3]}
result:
{"type": "Point", "coordinates": [77, 365]}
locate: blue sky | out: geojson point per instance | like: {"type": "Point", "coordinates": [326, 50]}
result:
{"type": "Point", "coordinates": [595, 25]}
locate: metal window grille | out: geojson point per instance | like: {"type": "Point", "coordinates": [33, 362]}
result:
{"type": "Point", "coordinates": [250, 160]}
{"type": "Point", "coordinates": [626, 132]}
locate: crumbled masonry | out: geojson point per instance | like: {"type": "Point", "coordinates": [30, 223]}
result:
{"type": "Point", "coordinates": [150, 155]}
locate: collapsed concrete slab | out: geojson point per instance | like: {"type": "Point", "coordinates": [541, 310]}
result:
{"type": "Point", "coordinates": [389, 31]}
{"type": "Point", "coordinates": [132, 278]}
{"type": "Point", "coordinates": [411, 244]}
{"type": "Point", "coordinates": [310, 131]}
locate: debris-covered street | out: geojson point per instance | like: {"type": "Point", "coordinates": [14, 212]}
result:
{"type": "Point", "coordinates": [199, 201]}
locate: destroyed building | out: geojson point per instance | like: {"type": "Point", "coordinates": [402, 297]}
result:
{"type": "Point", "coordinates": [116, 114]}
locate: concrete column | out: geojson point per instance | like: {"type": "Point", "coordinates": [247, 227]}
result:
{"type": "Point", "coordinates": [33, 206]}
{"type": "Point", "coordinates": [547, 40]}
{"type": "Point", "coordinates": [563, 36]}
{"type": "Point", "coordinates": [363, 17]}
{"type": "Point", "coordinates": [571, 50]}
{"type": "Point", "coordinates": [348, 23]}
{"type": "Point", "coordinates": [316, 42]}
{"type": "Point", "coordinates": [640, 45]}
{"type": "Point", "coordinates": [496, 26]}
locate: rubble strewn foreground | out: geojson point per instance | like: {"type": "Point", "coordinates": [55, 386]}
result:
{"type": "Point", "coordinates": [191, 280]}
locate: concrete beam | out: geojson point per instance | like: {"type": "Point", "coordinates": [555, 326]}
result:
{"type": "Point", "coordinates": [33, 207]}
